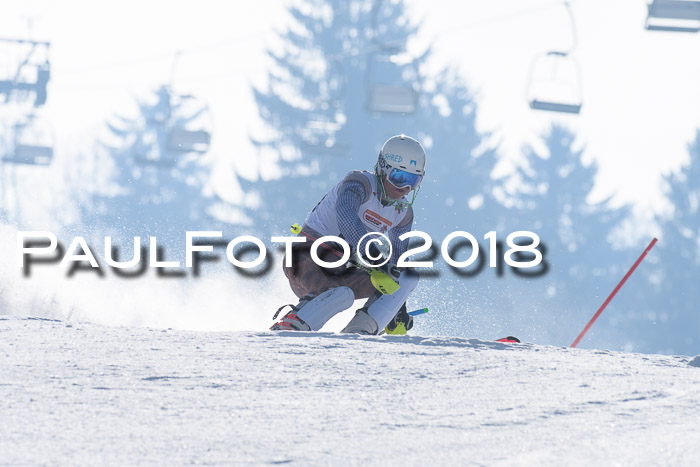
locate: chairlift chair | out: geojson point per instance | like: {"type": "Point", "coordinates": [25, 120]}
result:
{"type": "Point", "coordinates": [184, 140]}
{"type": "Point", "coordinates": [180, 124]}
{"type": "Point", "coordinates": [189, 123]}
{"type": "Point", "coordinates": [388, 89]}
{"type": "Point", "coordinates": [158, 162]}
{"type": "Point", "coordinates": [673, 15]}
{"type": "Point", "coordinates": [31, 154]}
{"type": "Point", "coordinates": [555, 83]}
{"type": "Point", "coordinates": [32, 143]}
{"type": "Point", "coordinates": [31, 71]}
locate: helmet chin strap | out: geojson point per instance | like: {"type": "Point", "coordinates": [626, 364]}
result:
{"type": "Point", "coordinates": [391, 201]}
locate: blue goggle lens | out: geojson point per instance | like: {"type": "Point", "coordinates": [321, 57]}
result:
{"type": "Point", "coordinates": [400, 178]}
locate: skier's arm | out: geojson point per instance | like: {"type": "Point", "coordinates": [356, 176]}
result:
{"type": "Point", "coordinates": [399, 246]}
{"type": "Point", "coordinates": [351, 194]}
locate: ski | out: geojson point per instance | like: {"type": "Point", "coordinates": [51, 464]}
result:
{"type": "Point", "coordinates": [509, 340]}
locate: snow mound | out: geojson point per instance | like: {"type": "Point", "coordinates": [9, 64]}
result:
{"type": "Point", "coordinates": [81, 393]}
{"type": "Point", "coordinates": [695, 361]}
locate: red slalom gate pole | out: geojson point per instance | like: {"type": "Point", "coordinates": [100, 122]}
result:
{"type": "Point", "coordinates": [614, 292]}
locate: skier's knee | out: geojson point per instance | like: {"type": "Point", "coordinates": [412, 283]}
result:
{"type": "Point", "coordinates": [326, 305]}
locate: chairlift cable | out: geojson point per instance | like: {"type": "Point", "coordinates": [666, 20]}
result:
{"type": "Point", "coordinates": [150, 58]}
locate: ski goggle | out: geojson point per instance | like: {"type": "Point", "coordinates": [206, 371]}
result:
{"type": "Point", "coordinates": [401, 179]}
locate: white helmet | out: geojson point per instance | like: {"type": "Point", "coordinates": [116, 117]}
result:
{"type": "Point", "coordinates": [402, 163]}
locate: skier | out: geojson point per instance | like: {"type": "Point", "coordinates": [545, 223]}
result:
{"type": "Point", "coordinates": [362, 202]}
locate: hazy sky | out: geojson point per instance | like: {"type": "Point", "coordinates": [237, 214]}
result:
{"type": "Point", "coordinates": [641, 89]}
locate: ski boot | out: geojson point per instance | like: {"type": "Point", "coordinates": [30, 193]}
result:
{"type": "Point", "coordinates": [361, 323]}
{"type": "Point", "coordinates": [290, 321]}
{"type": "Point", "coordinates": [401, 323]}
{"type": "Point", "coordinates": [313, 312]}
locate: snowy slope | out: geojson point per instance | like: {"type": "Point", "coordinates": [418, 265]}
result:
{"type": "Point", "coordinates": [89, 394]}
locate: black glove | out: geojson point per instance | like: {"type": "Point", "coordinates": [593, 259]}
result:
{"type": "Point", "coordinates": [401, 318]}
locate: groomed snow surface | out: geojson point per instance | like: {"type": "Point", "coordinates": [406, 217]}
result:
{"type": "Point", "coordinates": [74, 393]}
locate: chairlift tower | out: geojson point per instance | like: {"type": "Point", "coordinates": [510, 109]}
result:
{"type": "Point", "coordinates": [24, 81]}
{"type": "Point", "coordinates": [25, 70]}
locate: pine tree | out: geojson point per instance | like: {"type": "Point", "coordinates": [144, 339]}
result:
{"type": "Point", "coordinates": [673, 319]}
{"type": "Point", "coordinates": [154, 188]}
{"type": "Point", "coordinates": [319, 111]}
{"type": "Point", "coordinates": [554, 203]}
